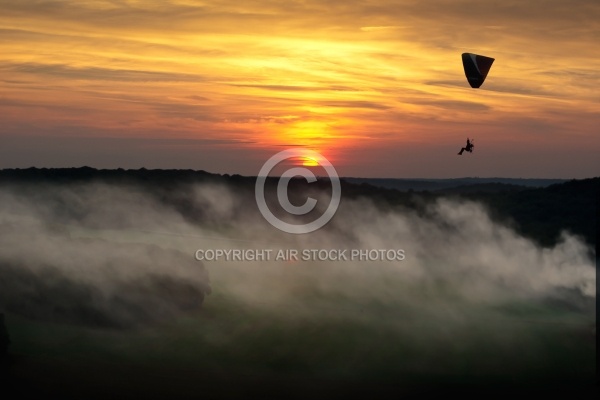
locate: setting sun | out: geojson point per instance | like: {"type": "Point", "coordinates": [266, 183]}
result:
{"type": "Point", "coordinates": [310, 162]}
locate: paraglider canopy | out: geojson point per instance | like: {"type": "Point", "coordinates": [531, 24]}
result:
{"type": "Point", "coordinates": [476, 68]}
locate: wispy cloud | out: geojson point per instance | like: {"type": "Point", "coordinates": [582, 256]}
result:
{"type": "Point", "coordinates": [97, 73]}
{"type": "Point", "coordinates": [364, 67]}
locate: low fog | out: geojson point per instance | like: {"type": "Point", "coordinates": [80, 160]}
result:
{"type": "Point", "coordinates": [120, 255]}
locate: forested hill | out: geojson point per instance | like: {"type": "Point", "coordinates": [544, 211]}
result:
{"type": "Point", "coordinates": [542, 213]}
{"type": "Point", "coordinates": [538, 213]}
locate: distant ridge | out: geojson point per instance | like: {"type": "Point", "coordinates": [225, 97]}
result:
{"type": "Point", "coordinates": [401, 184]}
{"type": "Point", "coordinates": [419, 184]}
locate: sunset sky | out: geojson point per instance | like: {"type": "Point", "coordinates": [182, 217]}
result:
{"type": "Point", "coordinates": [376, 86]}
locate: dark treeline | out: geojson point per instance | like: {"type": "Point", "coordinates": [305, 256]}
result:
{"type": "Point", "coordinates": [542, 213]}
{"type": "Point", "coordinates": [538, 213]}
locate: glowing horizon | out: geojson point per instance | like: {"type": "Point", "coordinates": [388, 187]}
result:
{"type": "Point", "coordinates": [378, 88]}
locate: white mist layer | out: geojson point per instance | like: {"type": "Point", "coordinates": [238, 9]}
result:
{"type": "Point", "coordinates": [454, 254]}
